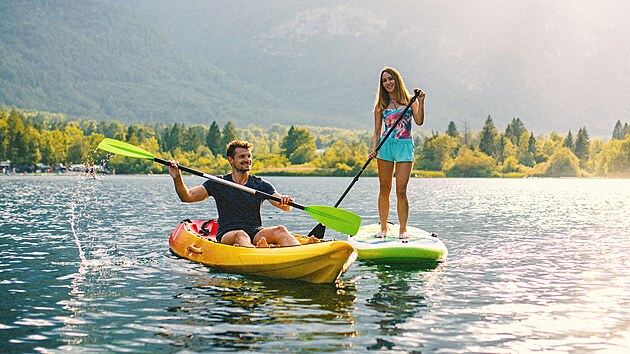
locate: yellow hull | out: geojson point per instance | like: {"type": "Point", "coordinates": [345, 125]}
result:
{"type": "Point", "coordinates": [321, 262]}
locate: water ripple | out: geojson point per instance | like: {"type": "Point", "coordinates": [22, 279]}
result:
{"type": "Point", "coordinates": [534, 265]}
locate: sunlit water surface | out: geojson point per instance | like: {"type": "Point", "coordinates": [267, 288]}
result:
{"type": "Point", "coordinates": [535, 265]}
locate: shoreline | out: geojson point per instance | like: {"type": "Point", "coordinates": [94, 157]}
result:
{"type": "Point", "coordinates": [414, 174]}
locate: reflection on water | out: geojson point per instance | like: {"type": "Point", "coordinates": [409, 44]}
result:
{"type": "Point", "coordinates": [236, 313]}
{"type": "Point", "coordinates": [534, 265]}
{"type": "Point", "coordinates": [397, 301]}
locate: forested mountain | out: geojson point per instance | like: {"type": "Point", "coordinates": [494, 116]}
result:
{"type": "Point", "coordinates": [559, 65]}
{"type": "Point", "coordinates": [95, 59]}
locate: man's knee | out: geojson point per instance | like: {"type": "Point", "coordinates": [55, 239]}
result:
{"type": "Point", "coordinates": [280, 230]}
{"type": "Point", "coordinates": [236, 237]}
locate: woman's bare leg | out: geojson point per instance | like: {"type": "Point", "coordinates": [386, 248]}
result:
{"type": "Point", "coordinates": [403, 173]}
{"type": "Point", "coordinates": [385, 177]}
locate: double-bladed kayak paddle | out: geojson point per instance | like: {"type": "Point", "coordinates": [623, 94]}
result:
{"type": "Point", "coordinates": [337, 219]}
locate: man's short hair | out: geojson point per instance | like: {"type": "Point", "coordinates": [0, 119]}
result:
{"type": "Point", "coordinates": [232, 145]}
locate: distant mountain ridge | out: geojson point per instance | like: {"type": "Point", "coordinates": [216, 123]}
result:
{"type": "Point", "coordinates": [557, 65]}
{"type": "Point", "coordinates": [95, 59]}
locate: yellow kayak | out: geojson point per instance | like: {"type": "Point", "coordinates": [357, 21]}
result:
{"type": "Point", "coordinates": [321, 262]}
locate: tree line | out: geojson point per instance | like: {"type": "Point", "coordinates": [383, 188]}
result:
{"type": "Point", "coordinates": [37, 140]}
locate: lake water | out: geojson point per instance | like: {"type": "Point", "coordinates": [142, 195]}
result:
{"type": "Point", "coordinates": [534, 265]}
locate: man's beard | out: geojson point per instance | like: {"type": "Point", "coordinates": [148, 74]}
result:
{"type": "Point", "coordinates": [241, 170]}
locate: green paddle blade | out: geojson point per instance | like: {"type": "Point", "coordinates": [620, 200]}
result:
{"type": "Point", "coordinates": [121, 148]}
{"type": "Point", "coordinates": [337, 219]}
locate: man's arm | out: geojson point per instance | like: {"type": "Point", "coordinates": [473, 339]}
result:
{"type": "Point", "coordinates": [192, 195]}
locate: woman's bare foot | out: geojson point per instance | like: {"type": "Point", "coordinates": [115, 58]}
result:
{"type": "Point", "coordinates": [403, 235]}
{"type": "Point", "coordinates": [262, 243]}
{"type": "Point", "coordinates": [381, 234]}
{"type": "Point", "coordinates": [312, 239]}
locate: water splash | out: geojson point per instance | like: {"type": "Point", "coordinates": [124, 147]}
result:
{"type": "Point", "coordinates": [73, 226]}
{"type": "Point", "coordinates": [83, 196]}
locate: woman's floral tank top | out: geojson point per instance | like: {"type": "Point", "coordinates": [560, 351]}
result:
{"type": "Point", "coordinates": [403, 129]}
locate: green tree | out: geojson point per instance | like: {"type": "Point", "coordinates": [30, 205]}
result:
{"type": "Point", "coordinates": [528, 151]}
{"type": "Point", "coordinates": [511, 165]}
{"type": "Point", "coordinates": [352, 156]}
{"type": "Point", "coordinates": [213, 139]}
{"type": "Point", "coordinates": [515, 130]}
{"type": "Point", "coordinates": [615, 157]}
{"type": "Point", "coordinates": [568, 142]}
{"type": "Point", "coordinates": [298, 145]}
{"type": "Point", "coordinates": [452, 130]}
{"type": "Point", "coordinates": [437, 151]}
{"type": "Point", "coordinates": [228, 134]}
{"type": "Point", "coordinates": [195, 136]}
{"type": "Point", "coordinates": [111, 129]}
{"type": "Point", "coordinates": [53, 147]}
{"type": "Point", "coordinates": [582, 146]}
{"type": "Point", "coordinates": [4, 135]}
{"type": "Point", "coordinates": [618, 131]}
{"type": "Point", "coordinates": [17, 139]}
{"type": "Point", "coordinates": [471, 164]}
{"type": "Point", "coordinates": [488, 140]}
{"type": "Point", "coordinates": [563, 163]}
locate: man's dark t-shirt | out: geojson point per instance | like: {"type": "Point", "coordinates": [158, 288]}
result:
{"type": "Point", "coordinates": [238, 210]}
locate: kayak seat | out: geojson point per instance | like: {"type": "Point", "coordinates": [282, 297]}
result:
{"type": "Point", "coordinates": [214, 227]}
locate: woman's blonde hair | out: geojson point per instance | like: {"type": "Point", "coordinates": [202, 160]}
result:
{"type": "Point", "coordinates": [382, 97]}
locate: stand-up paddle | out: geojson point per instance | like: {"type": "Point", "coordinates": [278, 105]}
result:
{"type": "Point", "coordinates": [337, 219]}
{"type": "Point", "coordinates": [319, 230]}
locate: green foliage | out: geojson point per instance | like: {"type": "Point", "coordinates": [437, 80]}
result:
{"type": "Point", "coordinates": [582, 146]}
{"type": "Point", "coordinates": [614, 158]}
{"type": "Point", "coordinates": [298, 145]}
{"type": "Point", "coordinates": [213, 139]}
{"type": "Point", "coordinates": [471, 164]}
{"type": "Point", "coordinates": [228, 134]}
{"type": "Point", "coordinates": [27, 138]}
{"type": "Point", "coordinates": [436, 152]}
{"type": "Point", "coordinates": [515, 130]}
{"type": "Point", "coordinates": [563, 163]}
{"type": "Point", "coordinates": [452, 130]}
{"type": "Point", "coordinates": [568, 141]}
{"type": "Point", "coordinates": [349, 157]}
{"type": "Point", "coordinates": [487, 143]}
{"type": "Point", "coordinates": [618, 131]}
{"type": "Point", "coordinates": [510, 164]}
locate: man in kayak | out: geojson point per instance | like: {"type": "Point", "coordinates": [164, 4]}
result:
{"type": "Point", "coordinates": [239, 218]}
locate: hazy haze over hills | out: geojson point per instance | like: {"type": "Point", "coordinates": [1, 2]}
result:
{"type": "Point", "coordinates": [557, 65]}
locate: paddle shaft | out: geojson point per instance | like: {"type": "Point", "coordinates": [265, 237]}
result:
{"type": "Point", "coordinates": [228, 183]}
{"type": "Point", "coordinates": [378, 147]}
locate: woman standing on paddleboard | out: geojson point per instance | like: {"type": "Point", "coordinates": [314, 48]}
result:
{"type": "Point", "coordinates": [397, 152]}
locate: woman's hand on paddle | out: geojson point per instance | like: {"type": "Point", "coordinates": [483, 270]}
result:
{"type": "Point", "coordinates": [372, 153]}
{"type": "Point", "coordinates": [173, 169]}
{"type": "Point", "coordinates": [421, 94]}
{"type": "Point", "coordinates": [418, 107]}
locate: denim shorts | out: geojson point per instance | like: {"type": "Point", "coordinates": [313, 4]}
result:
{"type": "Point", "coordinates": [397, 150]}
